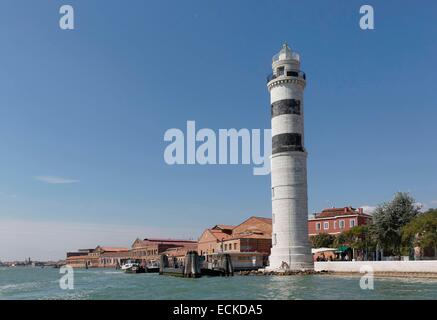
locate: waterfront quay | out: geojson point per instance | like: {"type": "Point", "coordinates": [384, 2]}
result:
{"type": "Point", "coordinates": [248, 245]}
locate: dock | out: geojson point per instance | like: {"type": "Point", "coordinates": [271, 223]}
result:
{"type": "Point", "coordinates": [195, 266]}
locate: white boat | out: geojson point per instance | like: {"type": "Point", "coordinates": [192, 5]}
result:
{"type": "Point", "coordinates": [152, 266]}
{"type": "Point", "coordinates": [127, 265]}
{"type": "Point", "coordinates": [132, 267]}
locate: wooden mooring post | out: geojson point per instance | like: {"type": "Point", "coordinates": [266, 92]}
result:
{"type": "Point", "coordinates": [192, 265]}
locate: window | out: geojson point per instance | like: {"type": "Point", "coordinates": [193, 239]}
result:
{"type": "Point", "coordinates": [235, 246]}
{"type": "Point", "coordinates": [292, 74]}
{"type": "Point", "coordinates": [341, 224]}
{"type": "Point", "coordinates": [352, 223]}
{"type": "Point", "coordinates": [274, 239]}
{"type": "Point", "coordinates": [325, 225]}
{"type": "Point", "coordinates": [318, 226]}
{"type": "Point", "coordinates": [335, 225]}
{"type": "Point", "coordinates": [226, 247]}
{"type": "Point", "coordinates": [280, 71]}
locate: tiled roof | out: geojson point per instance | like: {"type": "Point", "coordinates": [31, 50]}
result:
{"type": "Point", "coordinates": [113, 249]}
{"type": "Point", "coordinates": [267, 220]}
{"type": "Point", "coordinates": [263, 219]}
{"type": "Point", "coordinates": [224, 227]}
{"type": "Point", "coordinates": [250, 236]}
{"type": "Point", "coordinates": [219, 234]}
{"type": "Point", "coordinates": [168, 241]}
{"type": "Point", "coordinates": [334, 212]}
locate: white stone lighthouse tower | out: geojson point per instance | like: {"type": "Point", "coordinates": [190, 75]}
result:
{"type": "Point", "coordinates": [290, 244]}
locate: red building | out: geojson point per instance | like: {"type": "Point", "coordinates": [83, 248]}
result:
{"type": "Point", "coordinates": [337, 220]}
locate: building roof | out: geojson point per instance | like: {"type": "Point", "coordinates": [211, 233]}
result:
{"type": "Point", "coordinates": [86, 257]}
{"type": "Point", "coordinates": [266, 220]}
{"type": "Point", "coordinates": [112, 249]}
{"type": "Point", "coordinates": [250, 236]}
{"type": "Point", "coordinates": [253, 228]}
{"type": "Point", "coordinates": [223, 227]}
{"type": "Point", "coordinates": [226, 232]}
{"type": "Point", "coordinates": [169, 241]}
{"type": "Point", "coordinates": [263, 219]}
{"type": "Point", "coordinates": [219, 234]}
{"type": "Point", "coordinates": [335, 212]}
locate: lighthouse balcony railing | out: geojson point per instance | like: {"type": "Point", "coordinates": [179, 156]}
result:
{"type": "Point", "coordinates": [288, 73]}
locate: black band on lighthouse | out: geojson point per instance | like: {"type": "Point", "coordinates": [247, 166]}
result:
{"type": "Point", "coordinates": [287, 142]}
{"type": "Point", "coordinates": [286, 106]}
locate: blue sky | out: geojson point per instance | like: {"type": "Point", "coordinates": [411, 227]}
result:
{"type": "Point", "coordinates": [91, 106]}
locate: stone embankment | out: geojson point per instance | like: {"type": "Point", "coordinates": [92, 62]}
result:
{"type": "Point", "coordinates": [404, 269]}
{"type": "Point", "coordinates": [280, 273]}
{"type": "Point", "coordinates": [378, 267]}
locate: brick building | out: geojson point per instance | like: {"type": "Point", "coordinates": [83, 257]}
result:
{"type": "Point", "coordinates": [180, 252]}
{"type": "Point", "coordinates": [114, 259]}
{"type": "Point", "coordinates": [252, 235]}
{"type": "Point", "coordinates": [150, 249]}
{"type": "Point", "coordinates": [248, 243]}
{"type": "Point", "coordinates": [82, 261]}
{"type": "Point", "coordinates": [210, 239]}
{"type": "Point", "coordinates": [80, 252]}
{"type": "Point", "coordinates": [100, 257]}
{"type": "Point", "coordinates": [336, 220]}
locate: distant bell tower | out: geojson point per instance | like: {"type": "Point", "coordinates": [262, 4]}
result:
{"type": "Point", "coordinates": [291, 249]}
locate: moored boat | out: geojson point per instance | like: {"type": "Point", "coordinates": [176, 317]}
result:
{"type": "Point", "coordinates": [152, 266]}
{"type": "Point", "coordinates": [132, 267]}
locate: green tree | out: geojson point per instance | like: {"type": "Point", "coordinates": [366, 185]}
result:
{"type": "Point", "coordinates": [358, 237]}
{"type": "Point", "coordinates": [421, 231]}
{"type": "Point", "coordinates": [322, 240]}
{"type": "Point", "coordinates": [388, 220]}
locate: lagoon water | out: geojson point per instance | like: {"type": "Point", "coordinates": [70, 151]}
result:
{"type": "Point", "coordinates": [43, 283]}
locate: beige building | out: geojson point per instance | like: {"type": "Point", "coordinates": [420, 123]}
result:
{"type": "Point", "coordinates": [100, 257]}
{"type": "Point", "coordinates": [248, 243]}
{"type": "Point", "coordinates": [150, 249]}
{"type": "Point", "coordinates": [210, 239]}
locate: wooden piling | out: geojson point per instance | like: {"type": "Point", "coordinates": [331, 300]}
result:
{"type": "Point", "coordinates": [192, 265]}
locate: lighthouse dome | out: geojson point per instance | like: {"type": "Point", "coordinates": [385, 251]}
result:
{"type": "Point", "coordinates": [286, 54]}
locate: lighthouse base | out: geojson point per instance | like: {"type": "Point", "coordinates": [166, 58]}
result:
{"type": "Point", "coordinates": [283, 259]}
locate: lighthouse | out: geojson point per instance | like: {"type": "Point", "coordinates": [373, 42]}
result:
{"type": "Point", "coordinates": [290, 244]}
